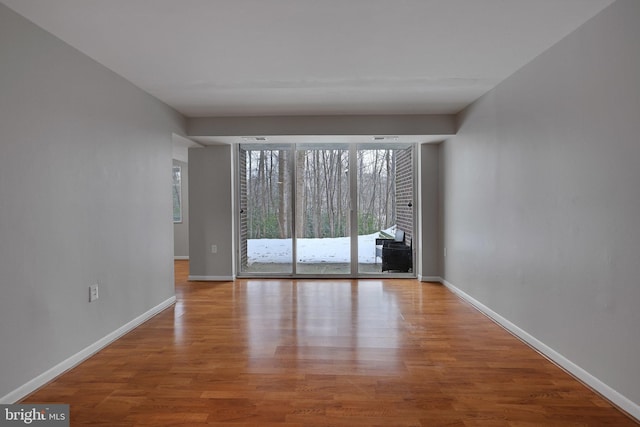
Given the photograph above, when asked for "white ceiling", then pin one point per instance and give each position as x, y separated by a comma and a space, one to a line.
320, 57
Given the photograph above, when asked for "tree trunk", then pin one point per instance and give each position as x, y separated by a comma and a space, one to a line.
301, 193
282, 207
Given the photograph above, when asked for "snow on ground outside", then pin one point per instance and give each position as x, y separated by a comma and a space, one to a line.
333, 250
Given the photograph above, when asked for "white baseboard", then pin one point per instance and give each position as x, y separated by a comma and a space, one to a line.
624, 403
82, 355
181, 257
211, 278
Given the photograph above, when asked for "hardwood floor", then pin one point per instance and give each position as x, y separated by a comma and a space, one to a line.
322, 353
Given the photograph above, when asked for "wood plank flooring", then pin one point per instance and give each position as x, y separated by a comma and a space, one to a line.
322, 353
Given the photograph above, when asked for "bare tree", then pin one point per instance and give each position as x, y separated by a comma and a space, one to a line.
282, 206
301, 193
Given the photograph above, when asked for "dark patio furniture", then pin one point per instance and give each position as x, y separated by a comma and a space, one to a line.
395, 253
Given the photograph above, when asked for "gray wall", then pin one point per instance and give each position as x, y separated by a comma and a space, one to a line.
210, 213
542, 199
429, 211
418, 124
85, 161
181, 230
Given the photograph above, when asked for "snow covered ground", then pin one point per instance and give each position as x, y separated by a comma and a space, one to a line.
333, 250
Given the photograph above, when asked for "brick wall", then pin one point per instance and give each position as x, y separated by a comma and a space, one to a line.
404, 192
243, 210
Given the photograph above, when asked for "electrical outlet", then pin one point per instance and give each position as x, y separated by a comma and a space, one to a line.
214, 249
93, 292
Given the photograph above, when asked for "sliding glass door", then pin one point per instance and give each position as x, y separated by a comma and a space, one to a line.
385, 176
266, 243
323, 201
325, 210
